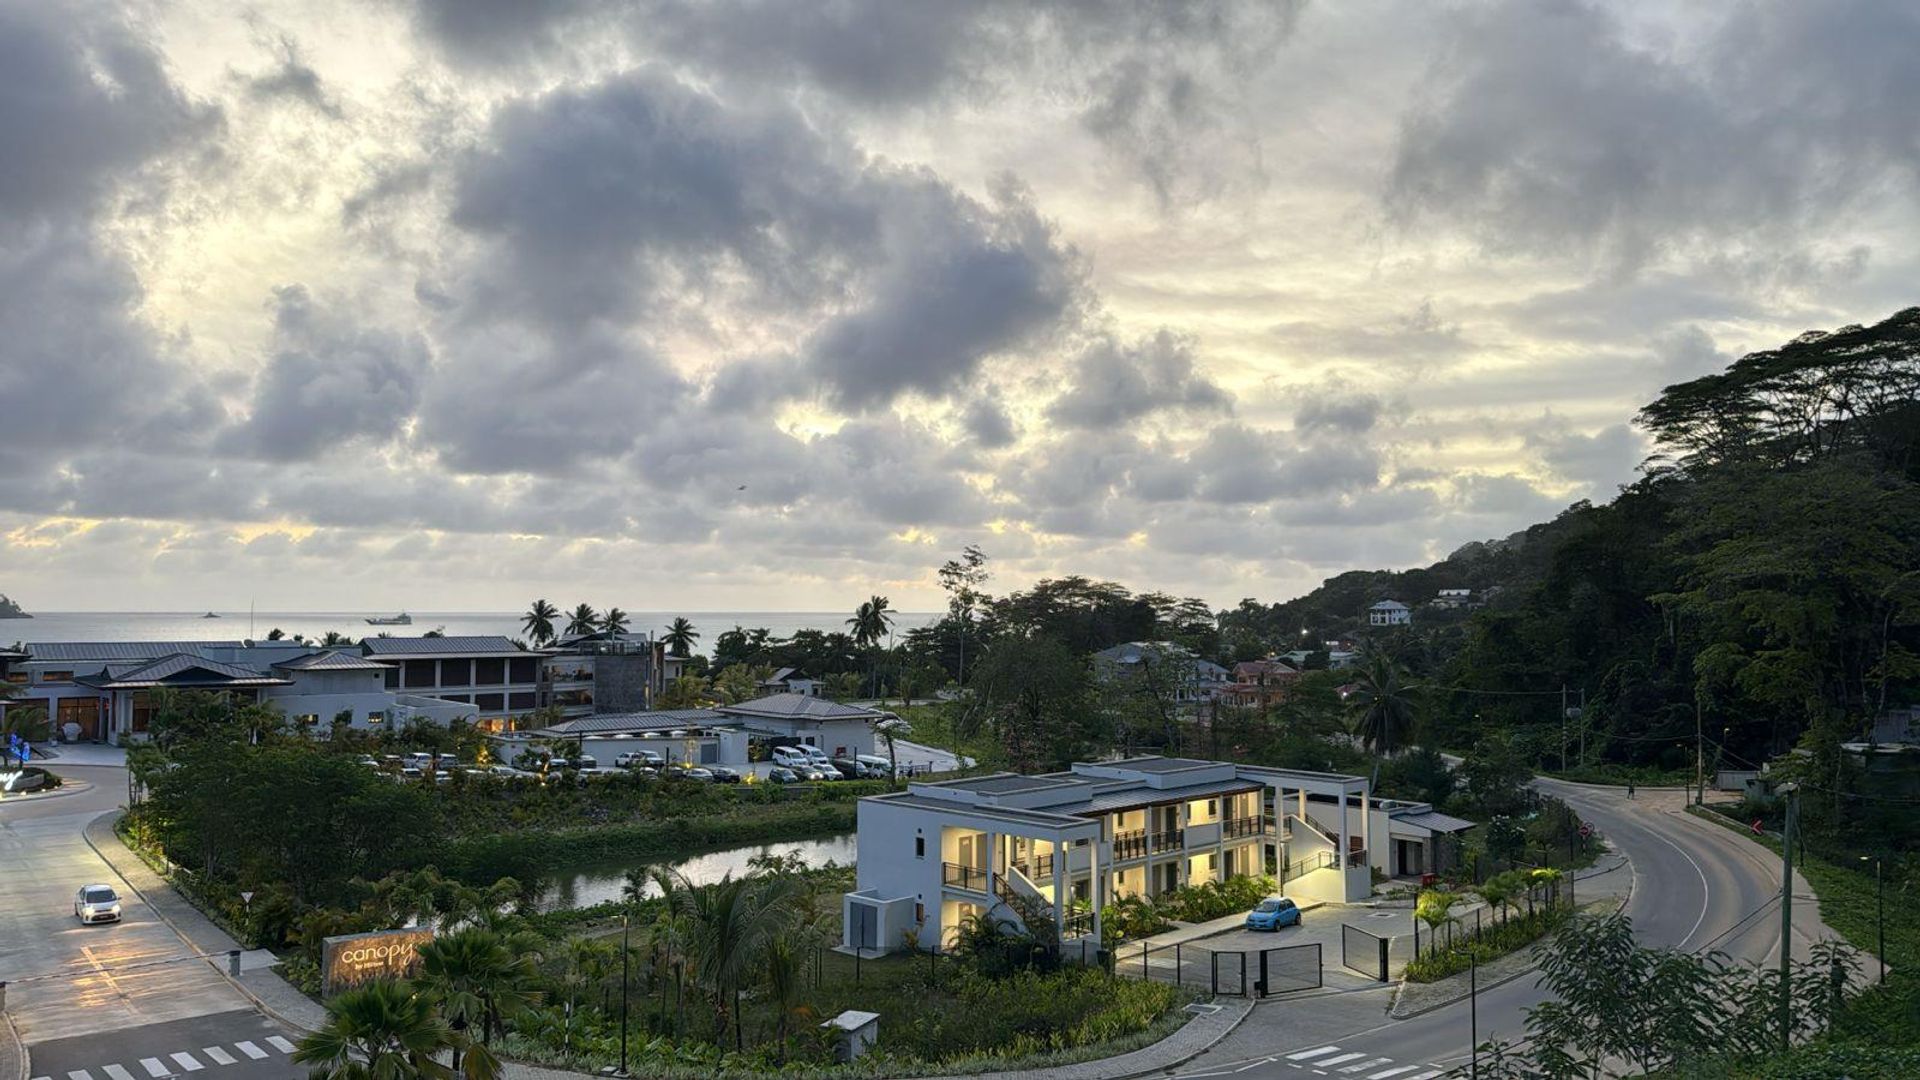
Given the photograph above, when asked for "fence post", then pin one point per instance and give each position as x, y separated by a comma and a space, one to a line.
1144, 950
233, 962
1383, 959
1260, 985
1179, 968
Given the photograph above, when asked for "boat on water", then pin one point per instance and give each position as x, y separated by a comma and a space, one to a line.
402, 619
209, 615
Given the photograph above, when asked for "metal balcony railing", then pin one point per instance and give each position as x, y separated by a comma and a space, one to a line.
1233, 828
1077, 924
1168, 841
971, 878
1130, 845
1039, 869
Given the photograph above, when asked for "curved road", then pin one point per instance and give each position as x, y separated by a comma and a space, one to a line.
1695, 886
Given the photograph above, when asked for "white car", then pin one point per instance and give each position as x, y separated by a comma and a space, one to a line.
819, 757
637, 758
877, 766
793, 757
96, 904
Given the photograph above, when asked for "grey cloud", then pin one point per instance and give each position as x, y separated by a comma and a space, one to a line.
1600, 460
497, 31
292, 79
330, 382
1116, 383
1239, 464
1504, 497
986, 420
1338, 408
1550, 130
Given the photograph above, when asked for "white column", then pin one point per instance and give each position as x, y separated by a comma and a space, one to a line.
1366, 823
1099, 888
1059, 891
993, 863
1341, 855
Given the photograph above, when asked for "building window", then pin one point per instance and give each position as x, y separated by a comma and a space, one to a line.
56, 676
307, 719
919, 847
456, 673
421, 672
376, 717
142, 710
490, 702
525, 669
491, 672
1213, 807
1213, 860
17, 677
521, 700
461, 699
393, 678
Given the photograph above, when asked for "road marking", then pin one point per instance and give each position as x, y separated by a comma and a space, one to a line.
1392, 1072
1706, 891
154, 1068
187, 1061
118, 1073
1363, 1066
280, 1044
219, 1056
1304, 1054
1341, 1058
1254, 1065
250, 1050
79, 1074
1428, 1075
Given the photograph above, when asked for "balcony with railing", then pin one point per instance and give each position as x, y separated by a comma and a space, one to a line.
1234, 828
1168, 841
1130, 845
1077, 924
957, 876
1038, 868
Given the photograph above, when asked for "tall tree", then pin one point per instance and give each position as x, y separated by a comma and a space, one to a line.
871, 621
583, 621
538, 622
680, 636
962, 579
730, 925
1382, 706
476, 980
614, 621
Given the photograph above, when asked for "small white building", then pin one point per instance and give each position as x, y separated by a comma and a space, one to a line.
1069, 843
679, 736
1452, 598
843, 731
1389, 613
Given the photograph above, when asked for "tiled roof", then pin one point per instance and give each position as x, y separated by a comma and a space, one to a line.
1141, 795
435, 646
332, 660
800, 707
659, 720
183, 669
61, 651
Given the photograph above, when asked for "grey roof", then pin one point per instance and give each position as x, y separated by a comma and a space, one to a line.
1043, 818
660, 720
1136, 795
59, 651
800, 707
435, 646
1009, 783
1434, 820
331, 660
168, 669
1153, 763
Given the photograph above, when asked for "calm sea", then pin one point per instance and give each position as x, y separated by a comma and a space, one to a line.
239, 625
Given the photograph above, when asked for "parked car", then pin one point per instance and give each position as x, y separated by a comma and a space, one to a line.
369, 761
793, 757
845, 770
705, 776
503, 770
634, 758
96, 904
724, 775
877, 766
817, 756
1273, 913
780, 774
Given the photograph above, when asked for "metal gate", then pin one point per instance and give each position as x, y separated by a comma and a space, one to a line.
1230, 973
1363, 952
1288, 968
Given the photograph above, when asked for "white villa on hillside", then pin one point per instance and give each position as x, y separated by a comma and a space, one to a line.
1389, 613
1071, 842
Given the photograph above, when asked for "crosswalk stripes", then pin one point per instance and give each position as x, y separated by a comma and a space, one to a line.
1312, 1053
185, 1062
1332, 1060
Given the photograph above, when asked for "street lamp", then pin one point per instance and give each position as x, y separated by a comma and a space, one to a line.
1880, 903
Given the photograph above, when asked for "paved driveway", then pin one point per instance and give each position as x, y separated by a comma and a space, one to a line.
65, 979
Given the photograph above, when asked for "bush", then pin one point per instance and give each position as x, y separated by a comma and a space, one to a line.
1491, 943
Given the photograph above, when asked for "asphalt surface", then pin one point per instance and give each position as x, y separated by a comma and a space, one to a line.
1695, 886
86, 997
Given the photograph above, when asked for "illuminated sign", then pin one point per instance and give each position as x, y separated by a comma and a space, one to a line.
352, 959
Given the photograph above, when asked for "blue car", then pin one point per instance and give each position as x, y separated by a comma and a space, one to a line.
1273, 913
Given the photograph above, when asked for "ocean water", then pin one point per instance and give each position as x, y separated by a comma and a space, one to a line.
240, 625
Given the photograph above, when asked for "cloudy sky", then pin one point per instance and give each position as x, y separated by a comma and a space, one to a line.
758, 305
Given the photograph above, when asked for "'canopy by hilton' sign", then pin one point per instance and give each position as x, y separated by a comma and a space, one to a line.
352, 959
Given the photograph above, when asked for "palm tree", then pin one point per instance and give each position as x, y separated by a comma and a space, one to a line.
583, 621
680, 636
538, 621
729, 925
1382, 706
1435, 908
614, 621
27, 721
871, 621
333, 638
476, 979
786, 987
386, 1030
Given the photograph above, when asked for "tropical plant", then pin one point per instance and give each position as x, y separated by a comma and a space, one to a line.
1382, 706
333, 638
538, 621
729, 925
615, 621
386, 1030
27, 721
786, 990
680, 636
872, 621
685, 692
583, 621
1434, 907
890, 729
476, 980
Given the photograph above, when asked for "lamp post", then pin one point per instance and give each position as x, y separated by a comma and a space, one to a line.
1473, 1010
1880, 905
625, 928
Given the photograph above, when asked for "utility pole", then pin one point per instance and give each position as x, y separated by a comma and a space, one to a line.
1699, 756
1563, 727
1792, 792
1473, 1009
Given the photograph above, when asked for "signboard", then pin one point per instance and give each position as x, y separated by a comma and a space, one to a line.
1586, 829
352, 959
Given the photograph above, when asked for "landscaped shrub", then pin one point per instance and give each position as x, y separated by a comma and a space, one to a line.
1215, 899
1492, 942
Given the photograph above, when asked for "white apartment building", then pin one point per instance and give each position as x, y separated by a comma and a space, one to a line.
1072, 842
1389, 613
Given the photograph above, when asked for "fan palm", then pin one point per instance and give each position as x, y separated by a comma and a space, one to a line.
680, 636
1382, 706
476, 980
729, 926
538, 621
386, 1030
583, 621
614, 621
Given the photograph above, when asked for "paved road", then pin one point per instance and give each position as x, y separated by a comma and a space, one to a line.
1695, 887
240, 1045
86, 996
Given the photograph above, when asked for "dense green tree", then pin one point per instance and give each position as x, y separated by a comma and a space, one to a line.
1382, 705
1035, 694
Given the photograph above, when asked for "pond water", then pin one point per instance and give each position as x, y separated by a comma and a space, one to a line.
590, 885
